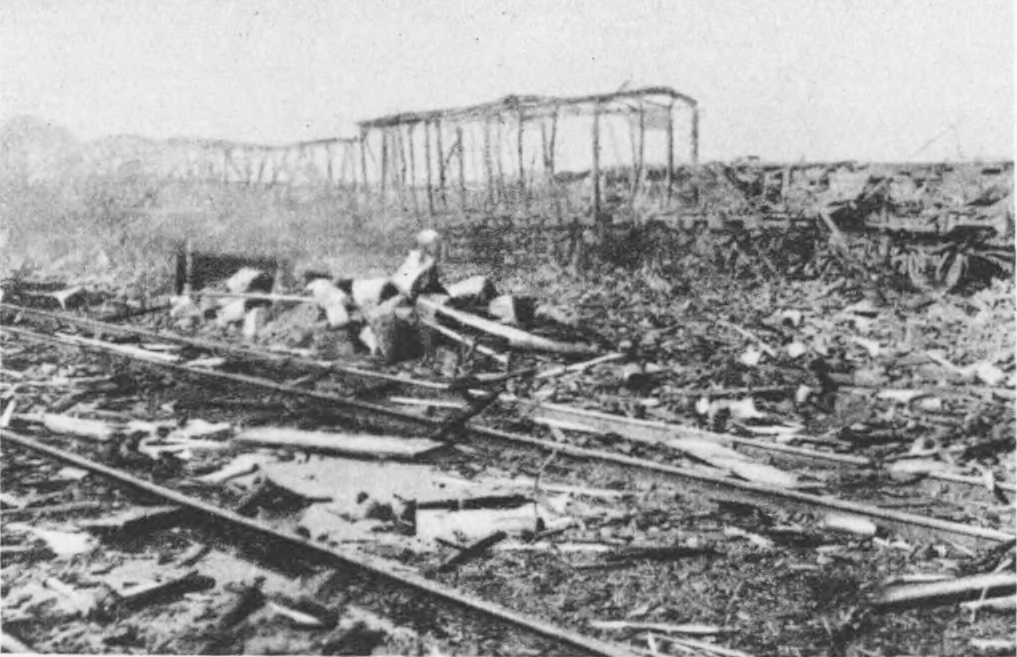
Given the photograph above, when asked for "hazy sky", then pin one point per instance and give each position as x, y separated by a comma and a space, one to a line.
816, 79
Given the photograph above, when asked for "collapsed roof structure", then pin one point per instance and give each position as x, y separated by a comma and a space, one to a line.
572, 153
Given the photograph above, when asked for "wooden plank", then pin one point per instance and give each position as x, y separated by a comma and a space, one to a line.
516, 338
338, 443
661, 433
938, 592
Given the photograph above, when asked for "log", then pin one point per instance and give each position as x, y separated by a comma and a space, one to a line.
947, 591
516, 338
335, 443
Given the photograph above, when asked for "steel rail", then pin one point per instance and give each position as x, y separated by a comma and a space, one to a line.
218, 347
716, 485
382, 568
623, 426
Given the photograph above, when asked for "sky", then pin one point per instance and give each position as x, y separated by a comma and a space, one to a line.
779, 79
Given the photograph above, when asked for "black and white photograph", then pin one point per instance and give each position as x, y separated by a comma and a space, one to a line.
671, 328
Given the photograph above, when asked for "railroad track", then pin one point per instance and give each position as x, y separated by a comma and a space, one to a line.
716, 486
558, 640
457, 425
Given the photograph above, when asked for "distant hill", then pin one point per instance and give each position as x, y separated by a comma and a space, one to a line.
35, 151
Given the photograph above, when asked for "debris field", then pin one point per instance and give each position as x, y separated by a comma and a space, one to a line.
698, 454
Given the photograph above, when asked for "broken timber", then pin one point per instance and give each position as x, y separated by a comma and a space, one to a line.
516, 338
718, 486
334, 443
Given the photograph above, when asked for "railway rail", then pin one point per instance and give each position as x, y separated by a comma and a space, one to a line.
452, 418
714, 485
390, 571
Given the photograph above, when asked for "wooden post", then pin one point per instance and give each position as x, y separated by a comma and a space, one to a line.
498, 162
384, 164
670, 151
276, 168
595, 171
363, 166
413, 169
488, 165
399, 145
427, 163
640, 154
188, 267
695, 135
553, 165
462, 168
522, 163
441, 162
261, 167
695, 151
328, 166
348, 170
548, 176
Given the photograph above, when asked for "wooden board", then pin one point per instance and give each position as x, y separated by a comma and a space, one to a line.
339, 443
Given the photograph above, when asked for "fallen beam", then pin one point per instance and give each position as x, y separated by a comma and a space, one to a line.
516, 338
951, 590
334, 443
